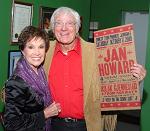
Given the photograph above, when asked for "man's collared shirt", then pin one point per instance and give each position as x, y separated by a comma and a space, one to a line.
66, 82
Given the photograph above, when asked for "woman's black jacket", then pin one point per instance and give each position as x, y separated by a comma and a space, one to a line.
23, 110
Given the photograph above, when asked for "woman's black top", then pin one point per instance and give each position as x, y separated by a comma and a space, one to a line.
23, 109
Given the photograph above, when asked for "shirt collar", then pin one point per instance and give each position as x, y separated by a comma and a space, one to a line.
77, 47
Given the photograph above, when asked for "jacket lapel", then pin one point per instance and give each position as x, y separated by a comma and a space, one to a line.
49, 56
86, 68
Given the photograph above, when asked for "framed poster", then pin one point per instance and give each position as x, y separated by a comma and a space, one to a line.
21, 17
13, 57
45, 15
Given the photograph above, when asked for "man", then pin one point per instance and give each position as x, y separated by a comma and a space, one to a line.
72, 71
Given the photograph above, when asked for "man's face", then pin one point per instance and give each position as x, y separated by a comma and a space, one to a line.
65, 28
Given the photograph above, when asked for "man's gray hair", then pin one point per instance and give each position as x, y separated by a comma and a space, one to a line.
66, 10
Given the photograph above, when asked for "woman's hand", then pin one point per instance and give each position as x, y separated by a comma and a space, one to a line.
138, 71
52, 110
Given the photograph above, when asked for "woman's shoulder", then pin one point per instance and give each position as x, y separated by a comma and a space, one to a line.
15, 81
15, 87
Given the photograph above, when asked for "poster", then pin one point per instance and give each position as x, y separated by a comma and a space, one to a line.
21, 17
116, 54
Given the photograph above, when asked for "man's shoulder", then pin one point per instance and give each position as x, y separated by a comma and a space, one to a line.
52, 42
87, 45
84, 42
52, 45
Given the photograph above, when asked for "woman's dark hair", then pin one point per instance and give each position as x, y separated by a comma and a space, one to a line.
28, 33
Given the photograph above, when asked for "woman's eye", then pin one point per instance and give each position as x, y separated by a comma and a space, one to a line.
30, 47
42, 47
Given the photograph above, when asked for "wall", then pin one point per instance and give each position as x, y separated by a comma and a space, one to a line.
5, 26
5, 13
145, 117
107, 12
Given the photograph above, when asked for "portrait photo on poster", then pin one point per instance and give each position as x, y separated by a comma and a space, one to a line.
45, 16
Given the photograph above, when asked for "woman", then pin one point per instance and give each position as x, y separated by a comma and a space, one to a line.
28, 102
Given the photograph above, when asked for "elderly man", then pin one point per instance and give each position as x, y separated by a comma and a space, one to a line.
72, 72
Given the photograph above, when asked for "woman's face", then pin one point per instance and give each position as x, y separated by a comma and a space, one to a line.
34, 52
65, 28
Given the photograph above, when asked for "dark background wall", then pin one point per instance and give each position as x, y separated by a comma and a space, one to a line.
106, 12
